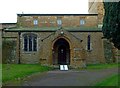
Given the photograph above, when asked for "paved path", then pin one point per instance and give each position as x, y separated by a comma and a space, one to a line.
69, 78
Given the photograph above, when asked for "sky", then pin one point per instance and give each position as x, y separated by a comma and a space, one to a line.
10, 8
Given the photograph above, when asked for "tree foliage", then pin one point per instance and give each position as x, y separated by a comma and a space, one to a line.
111, 22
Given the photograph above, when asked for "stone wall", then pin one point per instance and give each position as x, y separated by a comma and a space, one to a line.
116, 53
8, 25
118, 56
93, 8
112, 54
44, 53
9, 50
96, 54
76, 40
10, 47
108, 51
101, 12
97, 7
51, 21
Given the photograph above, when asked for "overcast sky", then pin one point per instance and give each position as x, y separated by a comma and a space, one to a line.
10, 8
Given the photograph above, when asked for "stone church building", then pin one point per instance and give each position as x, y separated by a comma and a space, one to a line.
57, 38
54, 39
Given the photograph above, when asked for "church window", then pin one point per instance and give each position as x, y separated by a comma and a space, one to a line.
82, 21
30, 42
25, 43
89, 44
59, 22
35, 43
35, 22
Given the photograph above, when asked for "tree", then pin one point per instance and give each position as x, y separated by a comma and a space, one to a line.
111, 22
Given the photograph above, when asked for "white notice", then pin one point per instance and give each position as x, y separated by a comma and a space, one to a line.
63, 67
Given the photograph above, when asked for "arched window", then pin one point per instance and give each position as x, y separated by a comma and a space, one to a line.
30, 42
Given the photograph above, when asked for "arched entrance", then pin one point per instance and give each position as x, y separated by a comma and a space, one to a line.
61, 52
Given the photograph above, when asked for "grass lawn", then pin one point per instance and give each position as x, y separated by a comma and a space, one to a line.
11, 72
0, 66
101, 66
110, 81
0, 71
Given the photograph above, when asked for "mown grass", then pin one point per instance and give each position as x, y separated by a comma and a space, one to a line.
18, 71
102, 66
0, 66
110, 81
0, 69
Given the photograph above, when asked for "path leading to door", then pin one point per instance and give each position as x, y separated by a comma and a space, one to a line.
70, 78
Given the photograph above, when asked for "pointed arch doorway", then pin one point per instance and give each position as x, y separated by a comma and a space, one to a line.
61, 52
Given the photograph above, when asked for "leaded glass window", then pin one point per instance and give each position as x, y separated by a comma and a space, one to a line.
30, 42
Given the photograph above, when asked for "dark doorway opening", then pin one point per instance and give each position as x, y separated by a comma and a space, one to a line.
62, 55
61, 52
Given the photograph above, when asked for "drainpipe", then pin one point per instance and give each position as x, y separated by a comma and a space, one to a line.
19, 33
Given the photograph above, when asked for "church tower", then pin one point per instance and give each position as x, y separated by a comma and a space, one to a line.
97, 7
